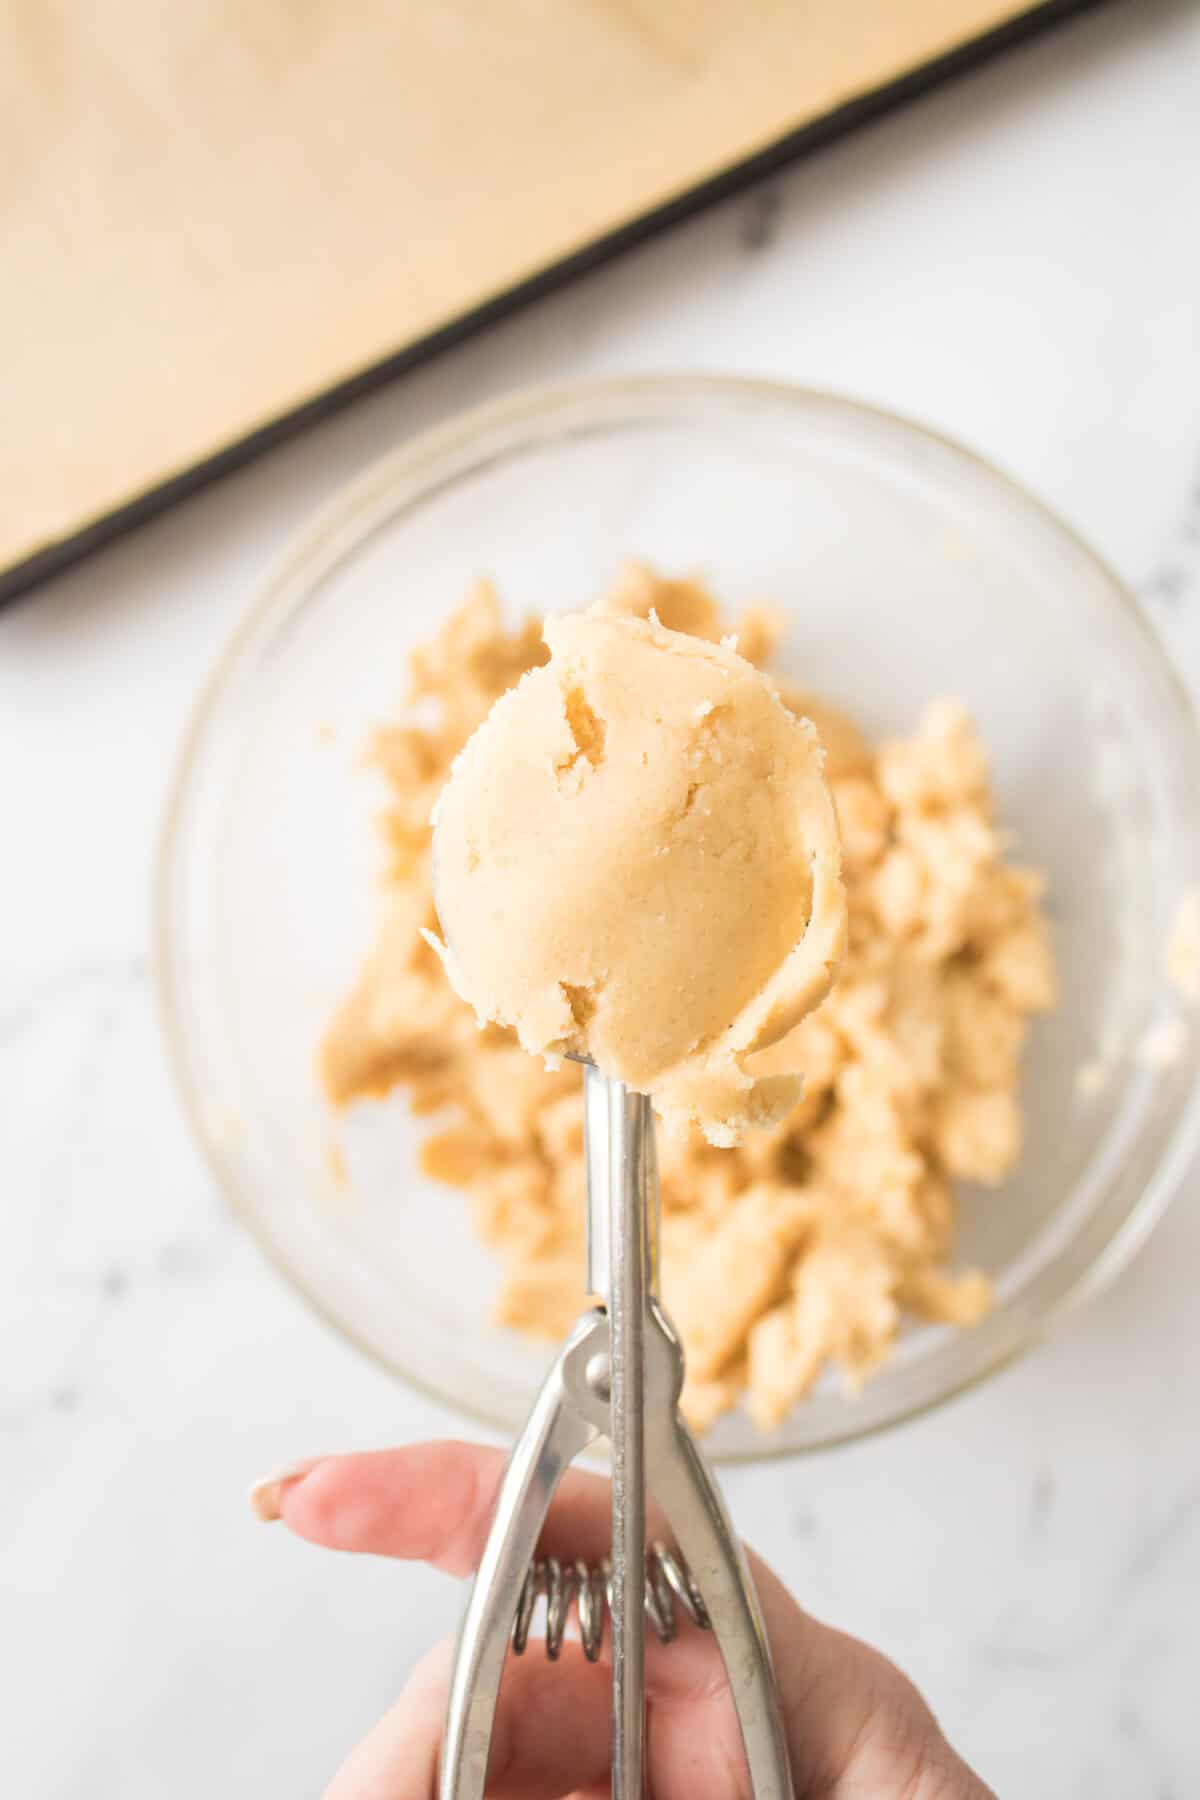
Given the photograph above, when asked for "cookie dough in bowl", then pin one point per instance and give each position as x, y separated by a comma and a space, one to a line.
808, 1205
434, 1216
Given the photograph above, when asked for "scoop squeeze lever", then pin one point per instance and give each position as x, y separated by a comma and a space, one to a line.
618, 1376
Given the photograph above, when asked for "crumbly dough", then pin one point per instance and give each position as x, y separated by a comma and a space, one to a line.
807, 1244
636, 860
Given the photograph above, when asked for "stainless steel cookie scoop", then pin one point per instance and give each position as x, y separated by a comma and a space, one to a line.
619, 1375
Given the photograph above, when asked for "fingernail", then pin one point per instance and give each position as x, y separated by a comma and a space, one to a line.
265, 1496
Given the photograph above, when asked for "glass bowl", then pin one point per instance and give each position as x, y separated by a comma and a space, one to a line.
909, 569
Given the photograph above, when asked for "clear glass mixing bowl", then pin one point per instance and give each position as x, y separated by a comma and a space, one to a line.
910, 569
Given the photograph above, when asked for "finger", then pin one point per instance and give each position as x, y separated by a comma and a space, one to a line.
434, 1503
551, 1734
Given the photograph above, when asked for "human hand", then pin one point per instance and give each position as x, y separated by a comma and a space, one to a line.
857, 1729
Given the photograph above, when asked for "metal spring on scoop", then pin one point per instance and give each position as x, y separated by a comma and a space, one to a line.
667, 1580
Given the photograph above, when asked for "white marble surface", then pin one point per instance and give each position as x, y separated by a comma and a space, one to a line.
1015, 260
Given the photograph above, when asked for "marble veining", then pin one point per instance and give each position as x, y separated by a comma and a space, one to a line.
1005, 260
1175, 573
761, 218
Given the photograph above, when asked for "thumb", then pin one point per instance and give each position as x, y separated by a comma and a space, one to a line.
857, 1727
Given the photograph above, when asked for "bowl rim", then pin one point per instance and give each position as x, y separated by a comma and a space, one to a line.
339, 517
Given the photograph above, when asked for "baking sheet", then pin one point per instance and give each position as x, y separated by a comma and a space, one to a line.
218, 217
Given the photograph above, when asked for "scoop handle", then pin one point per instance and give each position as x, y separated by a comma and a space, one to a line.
627, 1125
